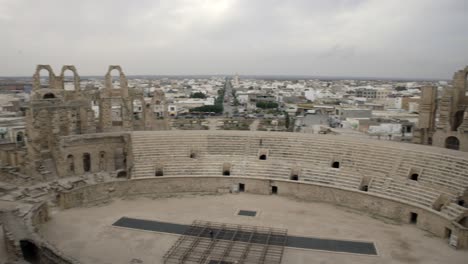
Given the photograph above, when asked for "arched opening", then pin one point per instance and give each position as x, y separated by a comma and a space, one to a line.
69, 80
429, 141
86, 162
115, 78
458, 119
44, 78
20, 137
49, 96
158, 172
294, 177
102, 161
122, 174
262, 157
193, 155
365, 188
274, 189
452, 143
461, 202
30, 251
71, 164
119, 157
414, 176
336, 165
226, 169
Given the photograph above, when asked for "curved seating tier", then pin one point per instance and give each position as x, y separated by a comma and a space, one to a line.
389, 165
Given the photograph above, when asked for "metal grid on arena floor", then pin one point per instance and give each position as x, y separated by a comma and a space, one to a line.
217, 243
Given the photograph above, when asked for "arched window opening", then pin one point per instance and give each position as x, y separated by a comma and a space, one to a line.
20, 137
458, 119
44, 78
49, 96
452, 143
294, 177
86, 162
414, 176
102, 161
226, 169
69, 80
336, 165
262, 157
159, 172
30, 251
115, 78
71, 164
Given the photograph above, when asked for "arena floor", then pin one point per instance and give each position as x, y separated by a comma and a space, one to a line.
87, 234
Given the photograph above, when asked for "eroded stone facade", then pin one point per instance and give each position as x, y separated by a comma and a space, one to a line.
451, 129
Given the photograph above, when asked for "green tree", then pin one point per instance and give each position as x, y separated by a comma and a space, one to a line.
198, 95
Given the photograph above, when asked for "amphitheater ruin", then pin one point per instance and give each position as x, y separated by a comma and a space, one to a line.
86, 187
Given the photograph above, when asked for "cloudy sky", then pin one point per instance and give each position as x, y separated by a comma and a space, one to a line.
369, 38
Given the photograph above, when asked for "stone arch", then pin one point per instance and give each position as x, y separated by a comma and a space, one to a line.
122, 78
86, 162
102, 161
71, 164
37, 77
76, 77
49, 96
452, 143
30, 251
20, 137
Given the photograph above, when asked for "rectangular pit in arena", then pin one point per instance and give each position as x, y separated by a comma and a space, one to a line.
210, 242
298, 242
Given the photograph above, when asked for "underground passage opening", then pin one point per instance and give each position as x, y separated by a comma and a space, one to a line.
158, 172
365, 188
226, 173
461, 202
274, 189
30, 251
48, 96
413, 218
86, 162
414, 176
241, 187
122, 174
452, 143
262, 157
336, 165
294, 177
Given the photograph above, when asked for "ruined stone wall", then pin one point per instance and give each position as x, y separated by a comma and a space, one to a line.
373, 204
101, 149
453, 114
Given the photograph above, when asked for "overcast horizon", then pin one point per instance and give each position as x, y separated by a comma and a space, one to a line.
413, 39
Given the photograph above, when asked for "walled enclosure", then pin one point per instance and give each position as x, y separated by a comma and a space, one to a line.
65, 139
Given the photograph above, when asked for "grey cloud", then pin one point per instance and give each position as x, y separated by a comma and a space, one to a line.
418, 38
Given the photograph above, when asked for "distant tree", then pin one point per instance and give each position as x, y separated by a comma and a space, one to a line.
198, 95
286, 120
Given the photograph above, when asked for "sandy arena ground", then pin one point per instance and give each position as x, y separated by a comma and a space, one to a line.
87, 235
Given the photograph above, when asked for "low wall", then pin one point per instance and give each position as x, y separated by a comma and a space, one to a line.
429, 220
